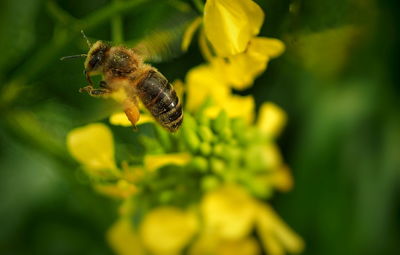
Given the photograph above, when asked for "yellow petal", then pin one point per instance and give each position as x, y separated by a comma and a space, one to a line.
179, 88
122, 189
271, 119
241, 106
206, 243
153, 162
189, 32
202, 82
266, 47
235, 106
241, 70
271, 157
120, 119
275, 235
246, 246
93, 147
167, 230
282, 179
228, 211
123, 239
230, 24
279, 178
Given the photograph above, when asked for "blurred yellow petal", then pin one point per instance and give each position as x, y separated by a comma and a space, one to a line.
122, 189
120, 119
228, 211
246, 246
202, 82
271, 119
264, 46
271, 157
241, 106
93, 147
282, 179
179, 88
189, 32
275, 235
153, 162
240, 70
206, 243
123, 239
230, 24
132, 174
235, 106
167, 230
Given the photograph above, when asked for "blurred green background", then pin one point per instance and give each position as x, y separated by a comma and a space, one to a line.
338, 82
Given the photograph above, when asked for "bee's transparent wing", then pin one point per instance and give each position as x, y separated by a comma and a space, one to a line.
165, 42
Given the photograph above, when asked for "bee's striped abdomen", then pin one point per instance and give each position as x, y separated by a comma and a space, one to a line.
161, 100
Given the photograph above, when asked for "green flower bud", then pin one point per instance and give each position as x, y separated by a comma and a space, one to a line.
205, 149
218, 166
218, 150
163, 138
205, 133
165, 196
151, 144
238, 127
220, 123
209, 183
191, 139
226, 134
199, 163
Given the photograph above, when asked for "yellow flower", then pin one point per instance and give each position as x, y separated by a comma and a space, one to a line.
282, 179
122, 189
167, 230
123, 239
153, 162
93, 147
271, 119
245, 246
202, 82
230, 24
235, 106
271, 157
229, 212
240, 70
212, 245
120, 119
275, 235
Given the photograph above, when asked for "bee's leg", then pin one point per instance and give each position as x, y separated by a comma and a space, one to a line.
103, 84
95, 92
132, 113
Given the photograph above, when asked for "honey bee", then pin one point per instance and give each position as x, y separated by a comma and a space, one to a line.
124, 71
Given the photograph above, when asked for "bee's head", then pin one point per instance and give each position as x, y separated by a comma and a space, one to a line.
96, 56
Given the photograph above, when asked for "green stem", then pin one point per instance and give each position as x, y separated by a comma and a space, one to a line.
117, 28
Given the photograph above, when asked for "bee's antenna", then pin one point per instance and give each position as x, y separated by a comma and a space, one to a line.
87, 40
74, 56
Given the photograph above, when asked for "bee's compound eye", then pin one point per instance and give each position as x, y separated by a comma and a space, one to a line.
95, 61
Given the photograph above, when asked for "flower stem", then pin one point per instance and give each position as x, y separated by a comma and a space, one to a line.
117, 27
